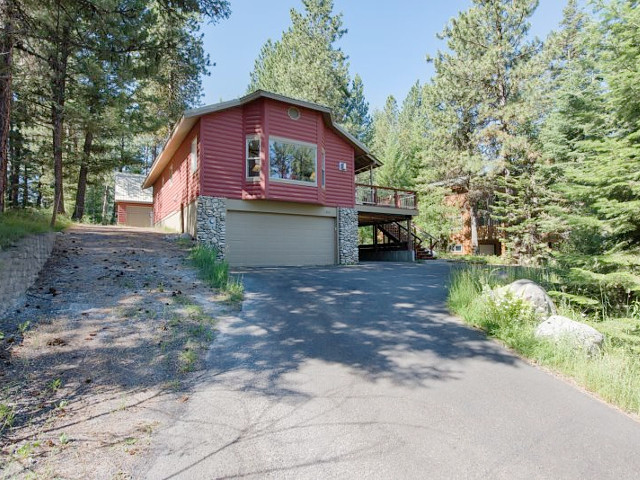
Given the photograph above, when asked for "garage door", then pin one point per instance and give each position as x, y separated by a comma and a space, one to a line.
138, 216
270, 239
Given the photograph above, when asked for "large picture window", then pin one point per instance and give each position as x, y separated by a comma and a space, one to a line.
292, 161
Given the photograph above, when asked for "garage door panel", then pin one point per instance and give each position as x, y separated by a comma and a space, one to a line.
138, 216
266, 239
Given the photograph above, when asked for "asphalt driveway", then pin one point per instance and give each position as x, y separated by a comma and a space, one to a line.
360, 372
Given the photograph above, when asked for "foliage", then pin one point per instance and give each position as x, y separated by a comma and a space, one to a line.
614, 374
104, 80
306, 64
216, 272
16, 224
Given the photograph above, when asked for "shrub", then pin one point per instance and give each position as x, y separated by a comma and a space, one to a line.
216, 272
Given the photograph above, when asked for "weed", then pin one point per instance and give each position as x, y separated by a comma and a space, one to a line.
25, 450
216, 272
7, 416
188, 359
184, 242
23, 327
55, 385
161, 287
63, 438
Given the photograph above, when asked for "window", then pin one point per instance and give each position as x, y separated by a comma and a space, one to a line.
292, 161
253, 157
194, 154
171, 175
322, 168
294, 113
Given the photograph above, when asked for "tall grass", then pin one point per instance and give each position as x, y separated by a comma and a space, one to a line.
216, 272
614, 373
16, 224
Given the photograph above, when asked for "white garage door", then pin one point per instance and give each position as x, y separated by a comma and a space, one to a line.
138, 216
270, 239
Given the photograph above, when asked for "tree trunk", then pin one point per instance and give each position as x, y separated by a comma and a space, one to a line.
25, 186
6, 58
39, 189
78, 211
58, 93
105, 204
14, 178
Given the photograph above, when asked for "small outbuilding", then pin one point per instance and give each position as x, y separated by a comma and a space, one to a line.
134, 205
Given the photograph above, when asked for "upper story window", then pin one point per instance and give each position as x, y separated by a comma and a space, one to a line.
193, 156
253, 156
171, 175
294, 113
292, 161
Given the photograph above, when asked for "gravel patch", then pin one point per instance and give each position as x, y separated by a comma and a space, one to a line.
101, 352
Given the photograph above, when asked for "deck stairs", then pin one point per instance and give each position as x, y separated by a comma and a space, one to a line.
397, 235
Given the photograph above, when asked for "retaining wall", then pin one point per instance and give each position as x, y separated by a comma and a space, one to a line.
20, 266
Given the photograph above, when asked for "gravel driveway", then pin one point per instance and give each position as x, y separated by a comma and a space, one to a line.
99, 354
360, 372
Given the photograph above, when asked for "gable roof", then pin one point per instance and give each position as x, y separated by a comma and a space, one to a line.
364, 159
129, 188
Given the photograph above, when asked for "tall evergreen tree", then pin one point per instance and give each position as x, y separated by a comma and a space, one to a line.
357, 120
305, 63
486, 113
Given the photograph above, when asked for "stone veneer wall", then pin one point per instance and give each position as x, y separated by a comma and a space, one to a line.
20, 266
211, 220
347, 236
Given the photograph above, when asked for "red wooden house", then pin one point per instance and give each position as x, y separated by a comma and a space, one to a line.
270, 180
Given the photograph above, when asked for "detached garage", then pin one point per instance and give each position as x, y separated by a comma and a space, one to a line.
279, 234
134, 206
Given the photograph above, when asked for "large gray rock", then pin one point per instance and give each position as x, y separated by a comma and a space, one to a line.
559, 329
533, 293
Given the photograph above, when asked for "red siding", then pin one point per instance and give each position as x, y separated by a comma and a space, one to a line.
121, 210
223, 148
340, 185
177, 186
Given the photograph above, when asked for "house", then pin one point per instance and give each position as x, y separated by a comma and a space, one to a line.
270, 180
476, 231
134, 206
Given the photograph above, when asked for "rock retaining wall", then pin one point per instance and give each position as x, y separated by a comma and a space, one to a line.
20, 266
211, 221
347, 236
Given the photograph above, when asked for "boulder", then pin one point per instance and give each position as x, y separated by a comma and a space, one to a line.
559, 328
533, 293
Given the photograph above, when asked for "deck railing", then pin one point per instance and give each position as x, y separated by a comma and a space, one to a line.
385, 196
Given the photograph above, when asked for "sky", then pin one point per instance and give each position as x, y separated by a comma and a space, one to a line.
387, 45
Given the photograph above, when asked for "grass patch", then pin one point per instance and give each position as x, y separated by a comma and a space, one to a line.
614, 374
216, 272
16, 224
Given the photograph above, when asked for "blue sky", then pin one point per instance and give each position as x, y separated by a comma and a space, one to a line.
386, 45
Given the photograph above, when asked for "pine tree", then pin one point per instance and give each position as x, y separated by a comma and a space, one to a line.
385, 144
306, 64
357, 120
